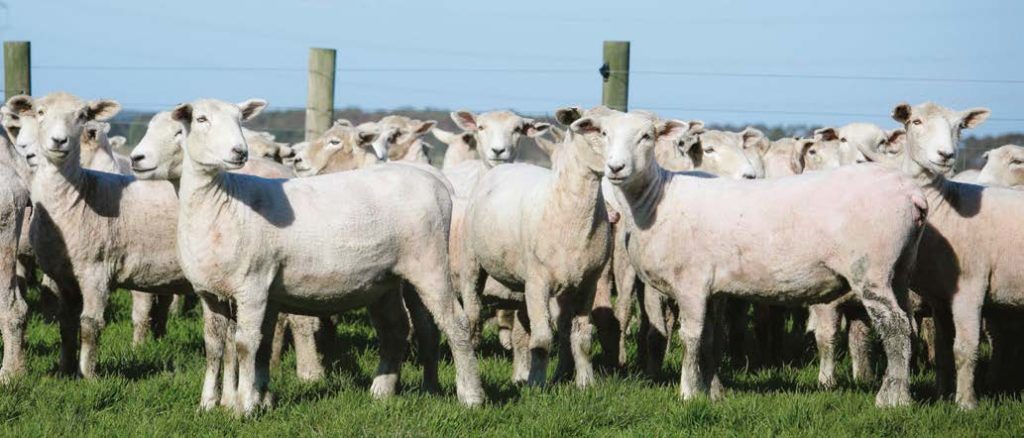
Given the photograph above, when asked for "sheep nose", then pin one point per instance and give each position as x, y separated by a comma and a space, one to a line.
749, 175
616, 168
136, 158
239, 151
946, 155
59, 141
498, 151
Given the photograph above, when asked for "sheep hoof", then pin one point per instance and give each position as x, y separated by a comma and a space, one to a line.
827, 383
967, 404
383, 386
471, 399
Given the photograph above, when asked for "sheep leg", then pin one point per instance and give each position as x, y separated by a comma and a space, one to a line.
505, 321
142, 306
657, 332
694, 332
435, 290
563, 318
161, 309
520, 346
473, 282
215, 322
997, 374
714, 348
944, 365
280, 337
627, 286
13, 318
826, 325
859, 345
967, 324
581, 333
927, 334
428, 340
893, 326
392, 325
250, 320
608, 331
229, 387
69, 307
94, 303
307, 359
537, 296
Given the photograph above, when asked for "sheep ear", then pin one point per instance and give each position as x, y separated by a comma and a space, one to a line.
19, 104
696, 127
896, 136
566, 116
585, 125
366, 136
445, 136
251, 108
826, 134
117, 141
90, 131
423, 128
102, 110
676, 134
465, 120
534, 129
901, 113
798, 160
182, 113
985, 155
752, 138
973, 117
342, 122
671, 128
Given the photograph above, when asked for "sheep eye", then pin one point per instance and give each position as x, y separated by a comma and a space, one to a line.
180, 132
812, 152
482, 127
843, 139
201, 119
335, 141
645, 137
604, 134
709, 150
40, 112
917, 122
14, 117
1016, 162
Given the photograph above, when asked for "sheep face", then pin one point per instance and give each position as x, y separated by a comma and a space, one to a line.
1004, 166
396, 134
213, 133
19, 121
11, 122
463, 142
261, 144
342, 147
160, 153
93, 139
933, 133
498, 133
627, 141
729, 154
812, 154
60, 119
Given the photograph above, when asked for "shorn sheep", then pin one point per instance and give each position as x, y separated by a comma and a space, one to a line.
380, 225
544, 232
722, 224
14, 193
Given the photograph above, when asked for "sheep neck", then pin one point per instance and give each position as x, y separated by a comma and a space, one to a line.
12, 160
643, 193
936, 187
573, 178
64, 181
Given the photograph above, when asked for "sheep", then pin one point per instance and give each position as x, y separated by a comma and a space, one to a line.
402, 137
87, 225
379, 224
719, 153
159, 156
461, 146
13, 308
561, 263
341, 148
725, 221
498, 135
1004, 166
262, 144
869, 140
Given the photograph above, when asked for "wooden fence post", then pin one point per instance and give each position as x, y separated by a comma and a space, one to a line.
615, 71
17, 73
320, 100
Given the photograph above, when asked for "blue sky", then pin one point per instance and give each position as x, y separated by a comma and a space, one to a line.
534, 56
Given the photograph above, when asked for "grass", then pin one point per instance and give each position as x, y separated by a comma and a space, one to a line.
154, 391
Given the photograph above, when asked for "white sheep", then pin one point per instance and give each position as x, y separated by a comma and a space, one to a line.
14, 191
377, 225
88, 226
1004, 167
723, 224
461, 146
508, 236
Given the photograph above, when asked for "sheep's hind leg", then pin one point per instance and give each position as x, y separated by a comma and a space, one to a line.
893, 327
428, 338
308, 366
694, 331
826, 326
13, 318
251, 318
967, 305
142, 307
392, 325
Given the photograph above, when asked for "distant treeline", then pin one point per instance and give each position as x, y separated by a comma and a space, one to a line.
288, 126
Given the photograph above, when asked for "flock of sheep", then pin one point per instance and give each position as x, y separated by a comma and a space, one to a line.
687, 221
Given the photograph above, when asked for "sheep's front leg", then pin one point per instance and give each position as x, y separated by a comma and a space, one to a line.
627, 287
859, 344
215, 325
967, 305
281, 329
538, 295
505, 319
69, 309
428, 338
694, 332
250, 320
826, 326
520, 346
94, 303
657, 335
580, 333
389, 320
608, 333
